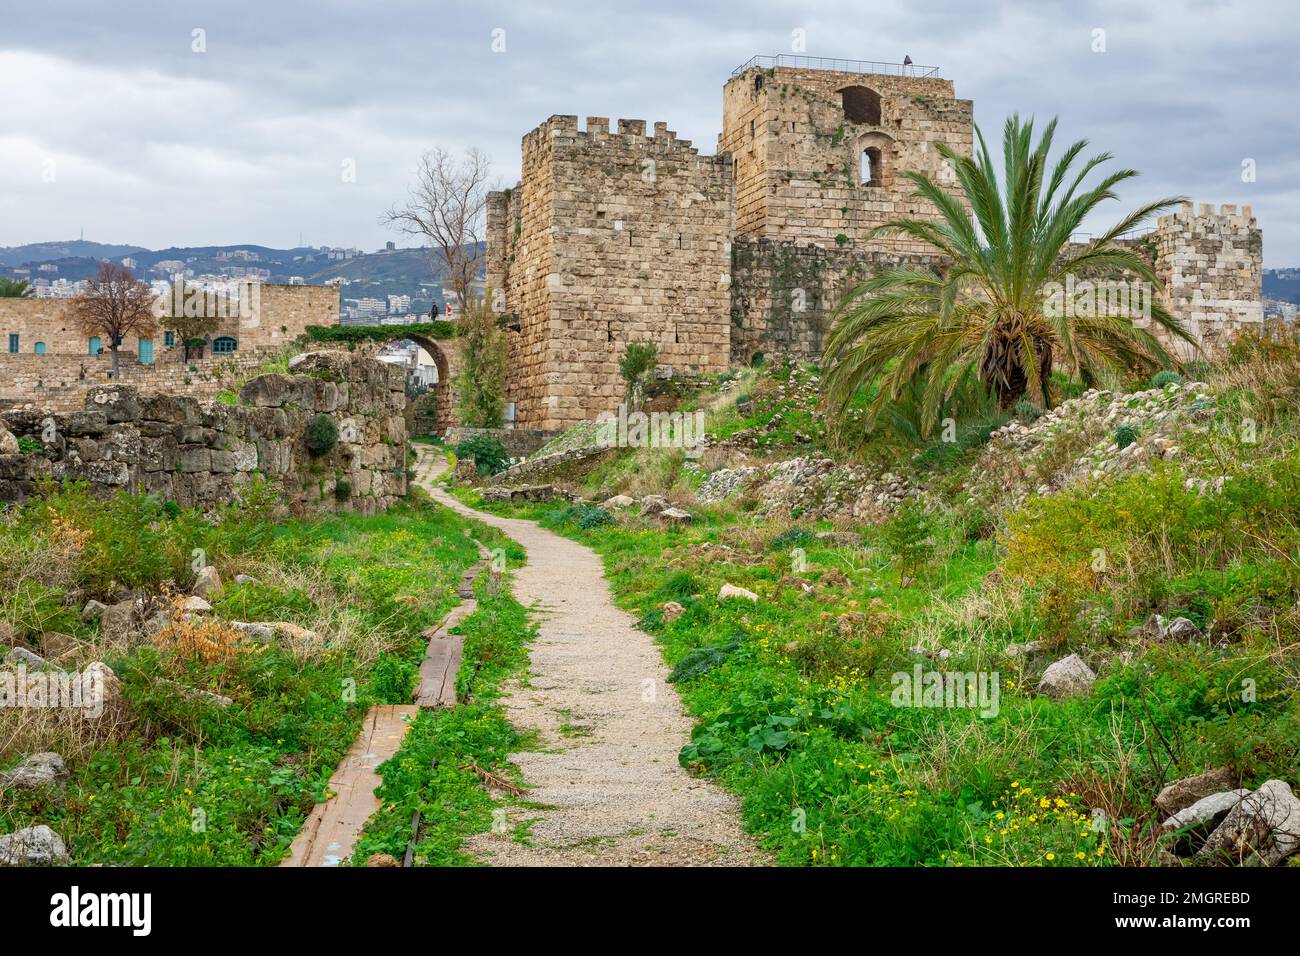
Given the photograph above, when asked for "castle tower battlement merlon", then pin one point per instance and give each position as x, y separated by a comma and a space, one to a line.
564, 130
1228, 215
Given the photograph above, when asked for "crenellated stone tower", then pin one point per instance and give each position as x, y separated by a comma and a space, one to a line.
610, 237
1210, 263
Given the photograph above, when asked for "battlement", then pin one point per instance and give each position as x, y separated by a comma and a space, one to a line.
1208, 215
564, 130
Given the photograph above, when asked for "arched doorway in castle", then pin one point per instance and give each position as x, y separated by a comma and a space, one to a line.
430, 367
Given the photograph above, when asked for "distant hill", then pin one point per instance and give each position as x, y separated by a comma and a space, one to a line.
414, 272
1276, 287
38, 252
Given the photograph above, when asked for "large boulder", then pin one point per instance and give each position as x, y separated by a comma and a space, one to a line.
43, 771
93, 611
1068, 677
672, 611
675, 516
32, 846
118, 621
28, 659
119, 403
99, 685
8, 443
1263, 829
652, 505
1183, 793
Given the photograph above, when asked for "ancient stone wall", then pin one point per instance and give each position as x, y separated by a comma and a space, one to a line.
784, 293
798, 138
1210, 261
60, 382
610, 237
54, 365
200, 453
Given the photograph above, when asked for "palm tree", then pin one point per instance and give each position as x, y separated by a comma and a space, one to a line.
986, 319
14, 288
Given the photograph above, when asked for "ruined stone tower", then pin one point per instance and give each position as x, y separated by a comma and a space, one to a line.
610, 237
1210, 264
819, 148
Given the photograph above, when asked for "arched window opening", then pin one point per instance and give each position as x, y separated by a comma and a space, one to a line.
873, 168
224, 345
861, 105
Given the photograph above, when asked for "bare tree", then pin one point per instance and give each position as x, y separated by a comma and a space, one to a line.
116, 304
446, 206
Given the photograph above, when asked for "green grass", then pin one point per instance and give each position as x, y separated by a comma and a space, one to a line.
190, 785
797, 718
433, 771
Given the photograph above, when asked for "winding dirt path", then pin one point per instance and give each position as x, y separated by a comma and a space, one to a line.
609, 725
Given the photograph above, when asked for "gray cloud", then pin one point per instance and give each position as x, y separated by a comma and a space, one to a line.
149, 142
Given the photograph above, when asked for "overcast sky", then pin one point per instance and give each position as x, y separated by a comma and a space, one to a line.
112, 122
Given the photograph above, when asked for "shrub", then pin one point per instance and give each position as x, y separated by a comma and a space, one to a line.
490, 455
227, 397
481, 381
910, 537
342, 489
702, 660
1161, 379
1027, 410
792, 538
679, 586
1125, 435
636, 365
322, 435
584, 516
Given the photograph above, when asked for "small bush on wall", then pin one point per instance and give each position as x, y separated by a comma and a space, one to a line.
322, 435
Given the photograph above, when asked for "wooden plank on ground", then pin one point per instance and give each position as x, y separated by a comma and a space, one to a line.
331, 831
437, 687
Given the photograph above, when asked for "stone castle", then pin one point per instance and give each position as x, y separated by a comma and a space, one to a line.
613, 235
616, 235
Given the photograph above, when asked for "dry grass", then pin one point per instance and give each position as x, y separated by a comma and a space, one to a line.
333, 627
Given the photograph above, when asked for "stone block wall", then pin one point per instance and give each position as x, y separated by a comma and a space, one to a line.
611, 237
784, 293
200, 453
797, 137
1210, 261
60, 382
275, 317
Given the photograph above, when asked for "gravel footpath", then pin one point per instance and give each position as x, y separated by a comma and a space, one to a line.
607, 778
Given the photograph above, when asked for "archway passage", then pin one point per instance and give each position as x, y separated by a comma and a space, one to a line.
430, 371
